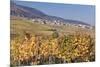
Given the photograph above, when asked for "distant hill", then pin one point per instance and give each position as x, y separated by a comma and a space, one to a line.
32, 13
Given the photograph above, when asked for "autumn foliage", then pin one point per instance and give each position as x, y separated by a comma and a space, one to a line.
52, 50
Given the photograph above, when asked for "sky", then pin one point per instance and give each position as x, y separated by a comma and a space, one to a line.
84, 13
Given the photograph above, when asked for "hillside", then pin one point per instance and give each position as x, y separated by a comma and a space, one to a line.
36, 44
19, 25
32, 13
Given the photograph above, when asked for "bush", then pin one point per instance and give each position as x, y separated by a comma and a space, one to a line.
55, 34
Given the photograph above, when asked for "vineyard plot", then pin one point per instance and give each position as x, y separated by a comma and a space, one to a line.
39, 38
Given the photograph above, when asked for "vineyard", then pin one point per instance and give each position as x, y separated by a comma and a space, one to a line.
44, 33
52, 49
